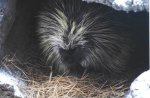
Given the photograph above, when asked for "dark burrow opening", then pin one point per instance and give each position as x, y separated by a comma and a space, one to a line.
23, 43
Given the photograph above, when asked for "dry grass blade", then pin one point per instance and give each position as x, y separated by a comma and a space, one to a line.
73, 87
86, 86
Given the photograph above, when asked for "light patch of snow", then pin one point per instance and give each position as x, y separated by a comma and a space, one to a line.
122, 4
137, 5
12, 81
137, 2
140, 88
125, 5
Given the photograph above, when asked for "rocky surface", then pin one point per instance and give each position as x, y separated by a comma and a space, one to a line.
7, 91
140, 88
125, 5
7, 18
10, 85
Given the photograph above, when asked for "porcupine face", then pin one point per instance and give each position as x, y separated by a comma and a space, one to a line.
75, 35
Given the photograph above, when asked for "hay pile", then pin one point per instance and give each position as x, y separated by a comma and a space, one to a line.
73, 87
88, 86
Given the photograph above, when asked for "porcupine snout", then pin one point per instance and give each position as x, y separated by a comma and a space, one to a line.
72, 53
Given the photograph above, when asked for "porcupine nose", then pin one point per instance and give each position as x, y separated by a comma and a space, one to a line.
68, 55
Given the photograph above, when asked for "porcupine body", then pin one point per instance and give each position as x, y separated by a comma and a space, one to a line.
76, 36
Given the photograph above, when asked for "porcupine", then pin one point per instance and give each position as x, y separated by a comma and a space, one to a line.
77, 36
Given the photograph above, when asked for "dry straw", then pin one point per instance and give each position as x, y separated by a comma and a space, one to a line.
73, 87
87, 86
